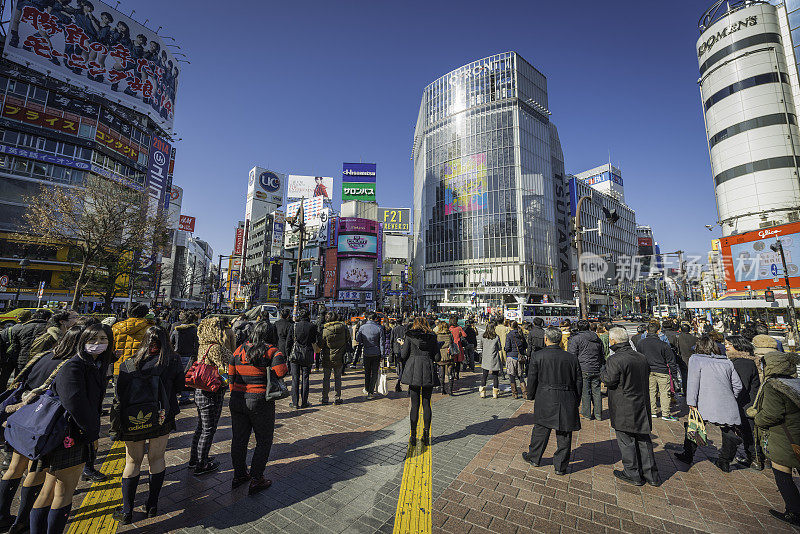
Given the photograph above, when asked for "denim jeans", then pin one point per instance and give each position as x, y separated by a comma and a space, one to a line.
591, 394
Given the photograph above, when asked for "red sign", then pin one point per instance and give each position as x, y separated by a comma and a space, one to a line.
117, 145
645, 241
329, 284
239, 243
39, 118
748, 260
186, 223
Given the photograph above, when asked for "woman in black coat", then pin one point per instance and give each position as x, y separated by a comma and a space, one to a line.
154, 359
420, 374
80, 386
742, 353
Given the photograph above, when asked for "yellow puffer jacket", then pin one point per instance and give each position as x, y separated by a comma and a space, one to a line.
128, 335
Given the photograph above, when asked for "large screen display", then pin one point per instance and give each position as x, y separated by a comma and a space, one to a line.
356, 273
465, 184
358, 244
90, 44
749, 260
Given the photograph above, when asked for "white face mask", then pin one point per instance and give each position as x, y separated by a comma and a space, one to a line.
95, 348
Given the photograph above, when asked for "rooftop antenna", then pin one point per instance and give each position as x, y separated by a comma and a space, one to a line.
132, 12
145, 22
159, 28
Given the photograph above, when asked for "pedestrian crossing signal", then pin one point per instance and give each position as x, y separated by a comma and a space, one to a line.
769, 295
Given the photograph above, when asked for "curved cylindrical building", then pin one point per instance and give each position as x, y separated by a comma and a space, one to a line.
490, 205
750, 116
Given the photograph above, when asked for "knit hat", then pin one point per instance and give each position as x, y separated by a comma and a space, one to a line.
762, 341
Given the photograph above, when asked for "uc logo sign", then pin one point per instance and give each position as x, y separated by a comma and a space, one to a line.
269, 181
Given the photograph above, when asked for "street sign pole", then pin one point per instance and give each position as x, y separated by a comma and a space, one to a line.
792, 311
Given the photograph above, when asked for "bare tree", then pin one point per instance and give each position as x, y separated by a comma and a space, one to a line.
103, 223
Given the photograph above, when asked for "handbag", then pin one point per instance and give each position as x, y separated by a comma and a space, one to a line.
382, 388
293, 356
276, 388
204, 376
696, 428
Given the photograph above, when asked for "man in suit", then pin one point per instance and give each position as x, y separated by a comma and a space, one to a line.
627, 376
555, 382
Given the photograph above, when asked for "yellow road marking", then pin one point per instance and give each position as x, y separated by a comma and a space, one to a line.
414, 502
94, 514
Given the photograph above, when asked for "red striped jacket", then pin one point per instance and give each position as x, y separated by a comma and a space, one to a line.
250, 379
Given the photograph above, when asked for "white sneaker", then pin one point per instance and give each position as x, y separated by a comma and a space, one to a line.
364, 391
654, 416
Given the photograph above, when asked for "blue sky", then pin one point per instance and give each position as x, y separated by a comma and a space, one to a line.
302, 86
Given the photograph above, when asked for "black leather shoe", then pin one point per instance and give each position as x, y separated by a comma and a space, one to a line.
94, 475
122, 517
786, 517
527, 458
683, 457
725, 467
625, 478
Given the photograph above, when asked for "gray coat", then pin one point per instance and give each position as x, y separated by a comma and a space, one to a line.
713, 385
490, 354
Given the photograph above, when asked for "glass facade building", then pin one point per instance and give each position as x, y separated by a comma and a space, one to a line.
489, 193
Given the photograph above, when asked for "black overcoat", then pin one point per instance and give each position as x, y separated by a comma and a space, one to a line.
555, 383
418, 353
627, 377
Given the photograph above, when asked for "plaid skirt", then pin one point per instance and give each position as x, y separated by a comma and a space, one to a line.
62, 458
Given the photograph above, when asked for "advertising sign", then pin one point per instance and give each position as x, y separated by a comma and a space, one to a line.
329, 280
344, 295
358, 244
645, 242
239, 243
157, 169
748, 260
265, 186
356, 225
186, 223
45, 120
356, 273
313, 209
309, 187
465, 184
278, 229
358, 181
91, 44
395, 219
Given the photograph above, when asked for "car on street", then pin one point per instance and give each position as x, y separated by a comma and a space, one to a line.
9, 318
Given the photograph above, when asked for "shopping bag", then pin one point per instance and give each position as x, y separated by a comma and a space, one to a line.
382, 387
696, 428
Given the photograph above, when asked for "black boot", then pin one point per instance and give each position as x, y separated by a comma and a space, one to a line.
156, 481
27, 496
125, 514
8, 488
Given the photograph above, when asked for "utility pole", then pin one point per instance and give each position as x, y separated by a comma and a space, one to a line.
298, 223
579, 248
778, 247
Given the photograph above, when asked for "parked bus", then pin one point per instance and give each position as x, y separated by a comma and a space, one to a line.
662, 311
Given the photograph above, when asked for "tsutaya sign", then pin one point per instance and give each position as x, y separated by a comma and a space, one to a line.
724, 32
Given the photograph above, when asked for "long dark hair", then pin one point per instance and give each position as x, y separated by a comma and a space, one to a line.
490, 332
88, 333
260, 341
67, 346
159, 335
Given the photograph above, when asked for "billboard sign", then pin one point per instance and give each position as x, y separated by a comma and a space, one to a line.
157, 169
265, 186
329, 280
186, 223
465, 184
309, 187
748, 260
358, 181
356, 225
95, 46
395, 219
239, 242
313, 210
356, 273
346, 295
358, 244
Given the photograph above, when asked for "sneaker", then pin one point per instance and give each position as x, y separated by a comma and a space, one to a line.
654, 416
364, 391
337, 402
149, 512
203, 469
94, 475
668, 418
122, 517
258, 484
786, 517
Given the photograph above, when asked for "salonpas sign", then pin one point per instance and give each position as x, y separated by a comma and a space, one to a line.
714, 38
358, 181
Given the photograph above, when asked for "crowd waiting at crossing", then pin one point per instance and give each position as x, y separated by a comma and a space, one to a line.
59, 366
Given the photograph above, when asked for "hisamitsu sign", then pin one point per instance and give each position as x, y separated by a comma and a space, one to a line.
395, 219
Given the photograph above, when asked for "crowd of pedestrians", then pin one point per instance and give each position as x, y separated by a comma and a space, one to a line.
62, 363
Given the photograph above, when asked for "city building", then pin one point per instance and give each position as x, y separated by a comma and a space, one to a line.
262, 261
606, 179
749, 91
63, 118
489, 196
617, 243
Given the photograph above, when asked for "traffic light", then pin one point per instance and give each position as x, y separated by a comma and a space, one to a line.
769, 295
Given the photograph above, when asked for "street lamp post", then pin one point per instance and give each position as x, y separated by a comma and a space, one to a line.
23, 263
299, 225
778, 247
611, 217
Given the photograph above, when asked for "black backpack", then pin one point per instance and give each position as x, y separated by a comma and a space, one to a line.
143, 405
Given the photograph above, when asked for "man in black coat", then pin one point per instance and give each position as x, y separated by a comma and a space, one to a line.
396, 342
627, 376
662, 365
588, 347
23, 336
555, 382
305, 336
285, 332
686, 342
535, 337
